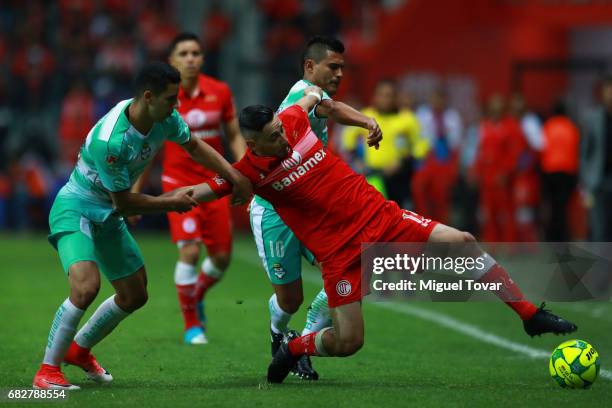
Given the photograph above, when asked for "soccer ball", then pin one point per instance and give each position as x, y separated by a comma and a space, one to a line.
574, 364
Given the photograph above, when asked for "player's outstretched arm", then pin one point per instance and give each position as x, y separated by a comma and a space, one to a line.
204, 154
346, 115
127, 203
202, 193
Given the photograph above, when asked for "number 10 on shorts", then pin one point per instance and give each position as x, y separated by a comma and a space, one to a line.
277, 249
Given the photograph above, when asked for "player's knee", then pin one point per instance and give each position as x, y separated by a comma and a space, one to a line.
467, 237
132, 301
221, 261
349, 345
84, 295
190, 253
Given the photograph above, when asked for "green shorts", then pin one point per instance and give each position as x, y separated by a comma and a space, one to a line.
109, 244
278, 247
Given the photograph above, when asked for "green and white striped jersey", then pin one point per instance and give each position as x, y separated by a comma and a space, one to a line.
114, 155
318, 125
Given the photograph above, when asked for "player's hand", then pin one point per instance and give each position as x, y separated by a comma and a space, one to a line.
134, 219
242, 191
183, 201
315, 89
375, 134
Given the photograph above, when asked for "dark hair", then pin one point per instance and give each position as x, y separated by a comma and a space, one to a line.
255, 117
184, 36
155, 77
317, 47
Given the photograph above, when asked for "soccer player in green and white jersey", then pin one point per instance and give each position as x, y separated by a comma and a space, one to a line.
278, 248
87, 227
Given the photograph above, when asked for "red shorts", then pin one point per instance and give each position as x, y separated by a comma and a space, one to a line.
342, 274
210, 223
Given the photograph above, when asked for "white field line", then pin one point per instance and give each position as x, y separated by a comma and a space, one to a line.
592, 309
438, 318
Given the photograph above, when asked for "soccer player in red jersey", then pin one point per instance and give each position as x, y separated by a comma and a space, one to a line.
332, 210
206, 105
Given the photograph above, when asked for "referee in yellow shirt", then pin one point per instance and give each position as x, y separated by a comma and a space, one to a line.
389, 168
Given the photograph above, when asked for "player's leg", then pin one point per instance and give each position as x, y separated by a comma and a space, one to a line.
536, 320
216, 235
76, 251
185, 232
318, 315
185, 281
280, 253
121, 262
342, 282
284, 302
344, 338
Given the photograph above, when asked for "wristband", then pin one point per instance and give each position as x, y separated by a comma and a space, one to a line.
316, 95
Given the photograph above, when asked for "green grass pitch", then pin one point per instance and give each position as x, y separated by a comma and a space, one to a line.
408, 360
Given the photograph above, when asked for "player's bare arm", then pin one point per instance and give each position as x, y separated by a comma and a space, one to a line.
204, 154
127, 203
202, 193
346, 115
236, 143
137, 188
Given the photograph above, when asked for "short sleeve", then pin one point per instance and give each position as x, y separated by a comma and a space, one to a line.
111, 166
177, 130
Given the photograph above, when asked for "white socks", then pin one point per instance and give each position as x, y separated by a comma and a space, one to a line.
209, 268
319, 342
62, 332
317, 316
185, 274
106, 317
278, 317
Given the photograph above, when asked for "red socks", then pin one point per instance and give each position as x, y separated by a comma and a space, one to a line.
303, 345
204, 283
187, 301
510, 294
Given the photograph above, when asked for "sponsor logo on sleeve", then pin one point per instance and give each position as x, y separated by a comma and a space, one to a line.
219, 180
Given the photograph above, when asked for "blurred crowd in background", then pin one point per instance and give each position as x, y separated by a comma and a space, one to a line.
493, 166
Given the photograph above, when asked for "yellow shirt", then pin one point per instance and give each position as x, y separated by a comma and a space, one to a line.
401, 139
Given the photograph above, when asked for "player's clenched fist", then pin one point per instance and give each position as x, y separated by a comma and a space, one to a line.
183, 200
375, 134
312, 89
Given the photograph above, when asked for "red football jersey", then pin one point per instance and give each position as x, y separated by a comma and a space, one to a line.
320, 198
204, 112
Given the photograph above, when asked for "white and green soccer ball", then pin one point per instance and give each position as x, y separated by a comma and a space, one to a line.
574, 364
